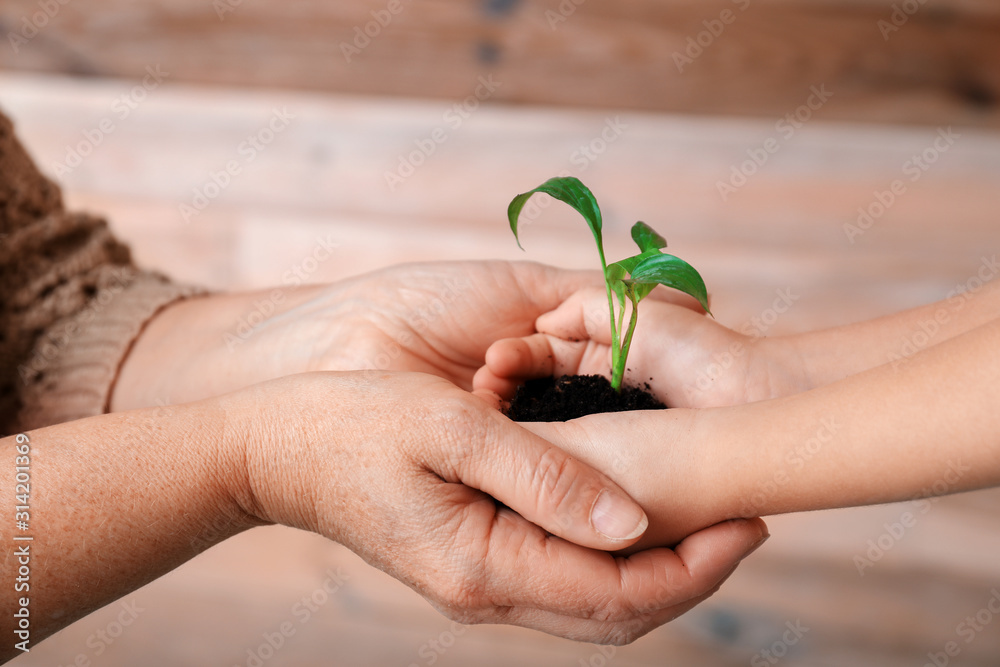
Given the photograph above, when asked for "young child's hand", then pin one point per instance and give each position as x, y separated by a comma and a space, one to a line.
686, 357
677, 464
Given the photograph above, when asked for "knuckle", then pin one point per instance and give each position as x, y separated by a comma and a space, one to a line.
636, 600
623, 636
615, 610
462, 602
466, 616
623, 633
448, 433
459, 588
460, 427
558, 481
552, 470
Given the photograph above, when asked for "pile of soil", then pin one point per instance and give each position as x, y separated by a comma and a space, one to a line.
571, 396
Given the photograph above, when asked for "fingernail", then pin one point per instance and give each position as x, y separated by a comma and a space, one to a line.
617, 518
757, 545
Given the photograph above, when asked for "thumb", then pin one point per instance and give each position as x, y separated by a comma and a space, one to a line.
556, 492
584, 315
545, 287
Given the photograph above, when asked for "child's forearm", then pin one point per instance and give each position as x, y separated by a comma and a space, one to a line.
926, 426
833, 354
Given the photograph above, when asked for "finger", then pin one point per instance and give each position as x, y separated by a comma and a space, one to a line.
584, 315
550, 488
593, 631
539, 355
630, 631
491, 398
530, 356
579, 583
512, 361
485, 380
530, 569
545, 287
711, 553
597, 631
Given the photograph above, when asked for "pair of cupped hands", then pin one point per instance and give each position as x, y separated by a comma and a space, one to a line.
368, 412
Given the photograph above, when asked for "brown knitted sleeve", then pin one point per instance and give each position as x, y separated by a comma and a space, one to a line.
71, 300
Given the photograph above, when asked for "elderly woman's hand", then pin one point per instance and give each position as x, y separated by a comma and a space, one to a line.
436, 318
404, 468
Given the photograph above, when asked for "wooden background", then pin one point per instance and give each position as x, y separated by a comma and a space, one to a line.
938, 67
324, 176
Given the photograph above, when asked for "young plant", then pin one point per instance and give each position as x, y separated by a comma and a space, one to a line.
630, 279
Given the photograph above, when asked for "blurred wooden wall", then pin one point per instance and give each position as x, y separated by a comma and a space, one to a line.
910, 61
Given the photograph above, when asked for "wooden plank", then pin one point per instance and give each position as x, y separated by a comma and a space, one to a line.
936, 68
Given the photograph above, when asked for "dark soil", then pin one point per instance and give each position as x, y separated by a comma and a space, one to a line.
571, 396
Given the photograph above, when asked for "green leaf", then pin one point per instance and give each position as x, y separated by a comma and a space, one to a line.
566, 189
646, 238
663, 269
629, 263
642, 290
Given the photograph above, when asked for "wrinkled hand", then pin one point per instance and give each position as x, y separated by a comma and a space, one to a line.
403, 469
436, 318
687, 358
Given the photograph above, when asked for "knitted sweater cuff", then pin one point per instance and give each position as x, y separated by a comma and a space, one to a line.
75, 364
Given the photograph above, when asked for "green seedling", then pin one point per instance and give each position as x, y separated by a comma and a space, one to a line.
631, 279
